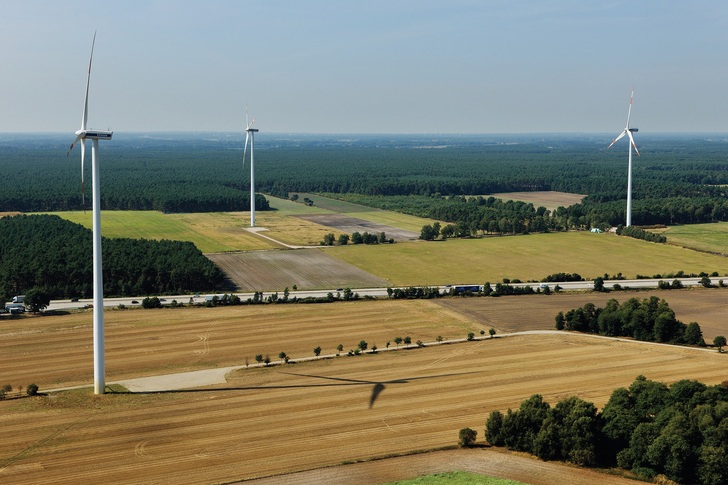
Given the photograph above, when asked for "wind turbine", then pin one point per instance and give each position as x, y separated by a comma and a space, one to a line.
250, 135
628, 131
94, 136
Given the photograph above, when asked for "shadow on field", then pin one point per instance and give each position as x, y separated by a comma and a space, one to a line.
378, 386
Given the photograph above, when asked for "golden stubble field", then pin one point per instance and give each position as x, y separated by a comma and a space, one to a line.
269, 421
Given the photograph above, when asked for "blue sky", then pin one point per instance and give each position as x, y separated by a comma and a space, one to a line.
332, 66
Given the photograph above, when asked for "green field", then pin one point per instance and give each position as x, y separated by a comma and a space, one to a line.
210, 232
530, 257
712, 238
456, 478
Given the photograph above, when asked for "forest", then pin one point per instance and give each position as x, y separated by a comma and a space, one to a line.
680, 431
678, 179
52, 254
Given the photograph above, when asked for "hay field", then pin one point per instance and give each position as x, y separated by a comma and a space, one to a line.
711, 237
268, 421
530, 257
549, 199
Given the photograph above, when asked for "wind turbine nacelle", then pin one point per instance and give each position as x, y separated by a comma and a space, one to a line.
95, 134
634, 130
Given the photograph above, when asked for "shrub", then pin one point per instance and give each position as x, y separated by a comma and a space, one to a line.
466, 437
471, 336
31, 390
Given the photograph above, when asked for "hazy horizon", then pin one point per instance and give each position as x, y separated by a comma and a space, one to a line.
376, 67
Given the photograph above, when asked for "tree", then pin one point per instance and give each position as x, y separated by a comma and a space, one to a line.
340, 348
155, 302
31, 390
491, 332
317, 351
37, 299
356, 238
363, 345
598, 283
408, 340
283, 357
719, 342
328, 239
259, 358
694, 335
466, 437
471, 336
343, 239
397, 340
493, 428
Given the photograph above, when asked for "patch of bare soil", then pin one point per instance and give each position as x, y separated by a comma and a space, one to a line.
348, 224
492, 462
305, 268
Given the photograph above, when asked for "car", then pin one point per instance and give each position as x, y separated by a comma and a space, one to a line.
162, 299
134, 302
74, 300
339, 289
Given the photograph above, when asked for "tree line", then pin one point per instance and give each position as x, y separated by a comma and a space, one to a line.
679, 431
49, 253
175, 173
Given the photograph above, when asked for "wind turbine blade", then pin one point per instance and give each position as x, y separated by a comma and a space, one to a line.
631, 139
251, 123
618, 138
629, 111
79, 137
88, 81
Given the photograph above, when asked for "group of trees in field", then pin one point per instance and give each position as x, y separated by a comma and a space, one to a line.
49, 257
680, 431
650, 319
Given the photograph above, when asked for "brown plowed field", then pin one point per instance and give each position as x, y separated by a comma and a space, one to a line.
537, 312
277, 420
348, 224
306, 268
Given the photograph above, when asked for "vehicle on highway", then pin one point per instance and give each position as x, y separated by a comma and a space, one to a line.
134, 302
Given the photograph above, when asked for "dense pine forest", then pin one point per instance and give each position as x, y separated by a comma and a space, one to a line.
49, 253
678, 179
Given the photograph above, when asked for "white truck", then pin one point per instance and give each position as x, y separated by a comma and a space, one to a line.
18, 299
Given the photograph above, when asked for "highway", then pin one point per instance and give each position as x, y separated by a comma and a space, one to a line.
374, 292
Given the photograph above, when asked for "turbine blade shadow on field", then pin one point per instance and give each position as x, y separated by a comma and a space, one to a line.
379, 386
377, 389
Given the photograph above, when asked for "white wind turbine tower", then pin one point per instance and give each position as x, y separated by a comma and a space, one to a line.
250, 135
628, 131
94, 136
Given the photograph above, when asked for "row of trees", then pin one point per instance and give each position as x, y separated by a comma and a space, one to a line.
53, 256
639, 233
650, 319
649, 428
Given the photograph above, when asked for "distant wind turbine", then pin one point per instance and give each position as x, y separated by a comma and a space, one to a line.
250, 135
628, 131
94, 136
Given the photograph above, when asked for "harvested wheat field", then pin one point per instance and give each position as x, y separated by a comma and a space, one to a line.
269, 421
276, 420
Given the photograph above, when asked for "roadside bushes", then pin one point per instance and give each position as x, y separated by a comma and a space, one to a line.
639, 233
650, 319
